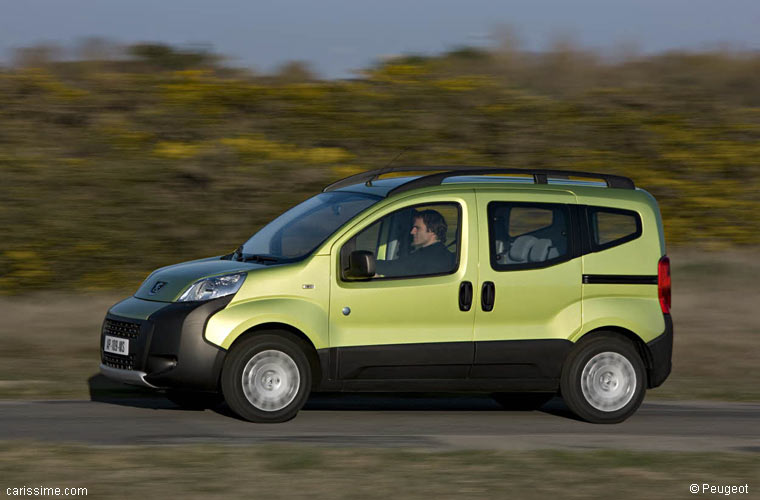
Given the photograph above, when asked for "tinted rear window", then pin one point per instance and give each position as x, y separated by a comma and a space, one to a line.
611, 227
528, 235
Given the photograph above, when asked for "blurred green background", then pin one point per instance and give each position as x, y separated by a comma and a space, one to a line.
111, 167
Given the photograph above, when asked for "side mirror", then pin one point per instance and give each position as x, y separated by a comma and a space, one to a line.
361, 265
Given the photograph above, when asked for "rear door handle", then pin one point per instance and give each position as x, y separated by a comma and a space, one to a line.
488, 296
465, 296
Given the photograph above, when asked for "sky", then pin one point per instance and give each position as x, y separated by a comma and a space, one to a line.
339, 36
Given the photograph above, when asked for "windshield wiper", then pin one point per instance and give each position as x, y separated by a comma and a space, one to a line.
237, 254
257, 258
234, 255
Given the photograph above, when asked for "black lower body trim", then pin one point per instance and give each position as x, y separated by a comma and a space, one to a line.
491, 366
171, 350
452, 385
661, 352
444, 360
520, 359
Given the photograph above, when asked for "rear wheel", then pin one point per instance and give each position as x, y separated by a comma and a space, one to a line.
603, 380
267, 377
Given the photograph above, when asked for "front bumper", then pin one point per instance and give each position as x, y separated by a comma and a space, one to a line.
166, 350
131, 377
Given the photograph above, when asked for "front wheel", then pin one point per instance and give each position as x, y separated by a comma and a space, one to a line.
267, 378
603, 379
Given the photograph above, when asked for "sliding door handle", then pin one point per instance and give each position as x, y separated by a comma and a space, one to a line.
465, 296
488, 296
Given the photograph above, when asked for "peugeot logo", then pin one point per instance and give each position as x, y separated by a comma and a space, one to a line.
158, 286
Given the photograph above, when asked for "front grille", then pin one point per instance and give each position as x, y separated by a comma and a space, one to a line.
123, 329
121, 362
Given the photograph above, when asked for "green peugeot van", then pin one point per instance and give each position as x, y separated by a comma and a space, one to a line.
450, 279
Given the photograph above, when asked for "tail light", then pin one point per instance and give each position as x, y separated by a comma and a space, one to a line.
663, 283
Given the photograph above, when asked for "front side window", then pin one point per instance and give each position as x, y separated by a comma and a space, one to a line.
527, 235
421, 240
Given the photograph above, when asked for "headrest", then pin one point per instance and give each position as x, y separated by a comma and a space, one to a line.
540, 250
521, 248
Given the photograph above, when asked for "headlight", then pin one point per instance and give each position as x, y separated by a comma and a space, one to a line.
213, 288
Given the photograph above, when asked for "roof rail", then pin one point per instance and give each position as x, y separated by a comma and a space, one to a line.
370, 175
540, 176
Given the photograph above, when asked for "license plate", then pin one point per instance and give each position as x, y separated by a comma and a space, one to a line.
115, 345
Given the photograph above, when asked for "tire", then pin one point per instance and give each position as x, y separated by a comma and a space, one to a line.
190, 400
522, 401
267, 377
603, 379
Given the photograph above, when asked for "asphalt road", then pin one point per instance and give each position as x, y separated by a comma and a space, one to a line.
421, 422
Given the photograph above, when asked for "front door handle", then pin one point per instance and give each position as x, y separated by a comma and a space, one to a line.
488, 296
465, 296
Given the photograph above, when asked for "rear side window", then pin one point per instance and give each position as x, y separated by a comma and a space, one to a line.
611, 227
524, 220
528, 235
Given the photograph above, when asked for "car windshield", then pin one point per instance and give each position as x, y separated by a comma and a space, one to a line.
299, 231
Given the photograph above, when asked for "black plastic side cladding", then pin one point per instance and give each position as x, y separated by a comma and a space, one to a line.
514, 359
505, 366
661, 350
178, 335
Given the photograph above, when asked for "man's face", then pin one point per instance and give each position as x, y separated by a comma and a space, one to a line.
421, 236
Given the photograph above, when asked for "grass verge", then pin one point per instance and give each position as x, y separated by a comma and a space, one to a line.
284, 471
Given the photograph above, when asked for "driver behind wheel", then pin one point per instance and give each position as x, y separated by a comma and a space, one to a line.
430, 255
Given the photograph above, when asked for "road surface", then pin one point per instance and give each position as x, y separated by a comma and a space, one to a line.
419, 422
